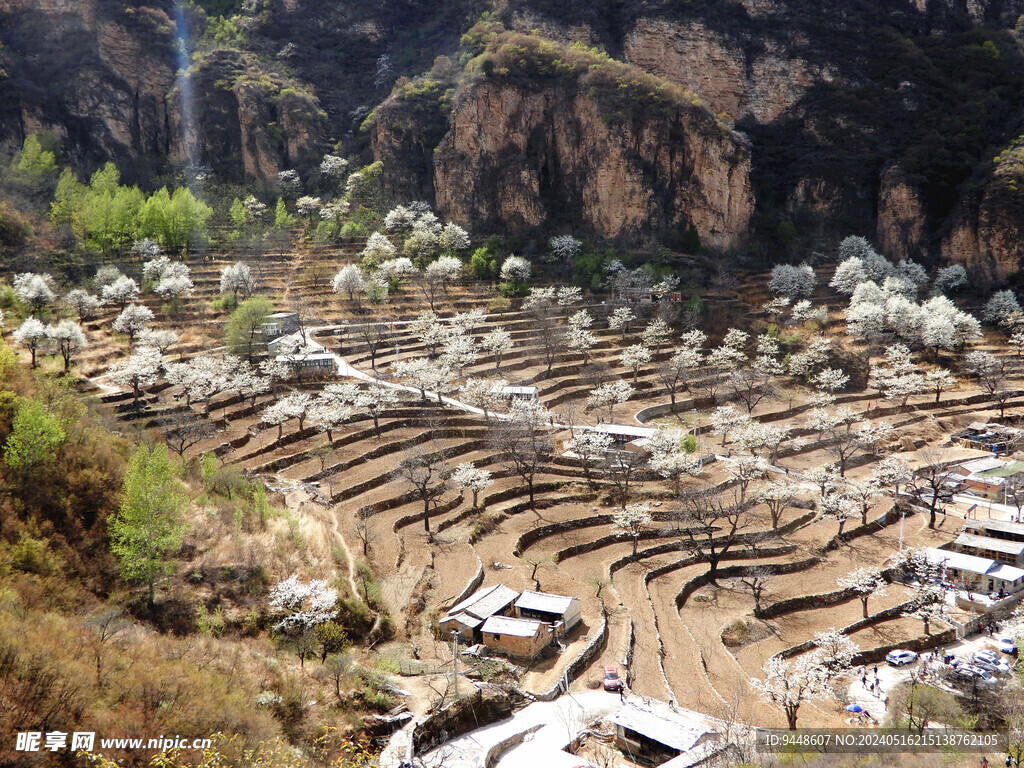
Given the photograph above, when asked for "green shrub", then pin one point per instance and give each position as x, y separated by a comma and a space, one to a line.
499, 304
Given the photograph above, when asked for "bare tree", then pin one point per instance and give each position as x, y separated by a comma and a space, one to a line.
183, 430
713, 523
756, 580
428, 475
523, 442
364, 531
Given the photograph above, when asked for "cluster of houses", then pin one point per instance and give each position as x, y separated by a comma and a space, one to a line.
287, 344
515, 624
987, 558
990, 477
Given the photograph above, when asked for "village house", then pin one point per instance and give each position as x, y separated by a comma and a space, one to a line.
990, 477
515, 637
279, 324
653, 733
624, 436
466, 618
988, 437
293, 343
562, 612
530, 394
977, 574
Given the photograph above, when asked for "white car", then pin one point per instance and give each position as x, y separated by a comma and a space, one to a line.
900, 657
1007, 644
995, 667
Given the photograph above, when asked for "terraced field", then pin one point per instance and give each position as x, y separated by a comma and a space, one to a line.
661, 612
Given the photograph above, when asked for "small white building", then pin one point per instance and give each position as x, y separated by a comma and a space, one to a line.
562, 612
293, 344
467, 617
279, 324
623, 435
520, 393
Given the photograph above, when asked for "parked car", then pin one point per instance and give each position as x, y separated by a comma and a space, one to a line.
986, 655
1007, 644
973, 672
900, 657
995, 667
611, 679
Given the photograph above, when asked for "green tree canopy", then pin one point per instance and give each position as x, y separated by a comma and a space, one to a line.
242, 333
35, 436
148, 527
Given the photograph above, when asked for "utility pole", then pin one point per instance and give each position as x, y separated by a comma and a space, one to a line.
455, 664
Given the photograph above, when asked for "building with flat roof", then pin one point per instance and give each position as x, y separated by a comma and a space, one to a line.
560, 611
519, 638
653, 733
467, 617
996, 529
279, 323
977, 574
623, 435
520, 393
1010, 552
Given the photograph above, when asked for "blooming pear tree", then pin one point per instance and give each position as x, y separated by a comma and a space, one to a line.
466, 477
865, 583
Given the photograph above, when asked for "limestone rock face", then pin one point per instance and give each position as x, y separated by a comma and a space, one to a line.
96, 74
987, 226
901, 217
246, 126
524, 157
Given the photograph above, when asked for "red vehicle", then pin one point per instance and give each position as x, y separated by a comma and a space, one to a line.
611, 679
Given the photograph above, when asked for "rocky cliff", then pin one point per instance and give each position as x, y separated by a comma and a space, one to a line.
535, 159
868, 116
986, 230
102, 76
97, 74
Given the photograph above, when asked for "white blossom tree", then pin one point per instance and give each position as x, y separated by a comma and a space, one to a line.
516, 269
565, 248
238, 280
453, 238
497, 342
837, 651
951, 279
378, 250
788, 684
138, 371
377, 400
865, 583
302, 606
635, 357
83, 302
466, 477
836, 506
792, 282
67, 340
620, 318
940, 380
674, 372
892, 471
31, 334
158, 339
485, 394
725, 418
609, 395
35, 290
349, 279
590, 448
120, 292
848, 275
777, 495
1001, 307
656, 333
633, 519
132, 321
438, 275
897, 378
